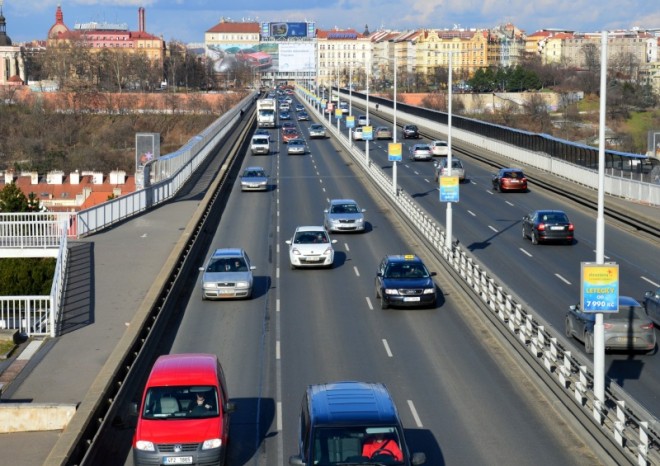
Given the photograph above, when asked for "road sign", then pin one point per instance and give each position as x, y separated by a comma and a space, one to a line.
449, 189
394, 151
600, 287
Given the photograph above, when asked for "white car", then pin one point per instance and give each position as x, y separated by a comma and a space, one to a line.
311, 246
363, 120
440, 148
357, 134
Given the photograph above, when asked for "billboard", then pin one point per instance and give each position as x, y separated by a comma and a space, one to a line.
287, 30
266, 56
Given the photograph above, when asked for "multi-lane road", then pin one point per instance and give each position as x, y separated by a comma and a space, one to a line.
461, 397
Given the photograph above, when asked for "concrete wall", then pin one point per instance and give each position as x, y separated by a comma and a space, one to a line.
34, 417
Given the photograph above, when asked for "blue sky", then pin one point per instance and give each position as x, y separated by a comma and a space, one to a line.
186, 20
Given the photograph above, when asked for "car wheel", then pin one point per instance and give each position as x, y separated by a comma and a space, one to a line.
535, 239
568, 329
589, 342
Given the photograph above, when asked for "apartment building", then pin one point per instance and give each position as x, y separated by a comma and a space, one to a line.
342, 54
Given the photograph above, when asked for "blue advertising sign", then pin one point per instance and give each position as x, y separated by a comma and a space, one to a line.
287, 30
600, 287
350, 121
449, 189
368, 133
394, 152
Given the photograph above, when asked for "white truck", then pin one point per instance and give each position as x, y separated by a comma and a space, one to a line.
266, 109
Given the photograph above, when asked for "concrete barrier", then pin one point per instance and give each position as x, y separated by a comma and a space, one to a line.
34, 417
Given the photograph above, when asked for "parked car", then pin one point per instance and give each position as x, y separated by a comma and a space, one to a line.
357, 134
289, 134
316, 130
548, 225
383, 132
457, 168
310, 246
509, 179
410, 132
296, 147
440, 148
420, 152
227, 274
629, 329
652, 305
343, 215
254, 179
404, 280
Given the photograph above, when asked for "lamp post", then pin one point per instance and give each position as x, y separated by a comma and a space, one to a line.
394, 163
449, 217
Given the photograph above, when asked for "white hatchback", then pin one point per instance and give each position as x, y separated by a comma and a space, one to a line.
440, 148
311, 246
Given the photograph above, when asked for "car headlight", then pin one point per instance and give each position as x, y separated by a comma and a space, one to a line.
429, 290
242, 284
391, 291
327, 252
295, 252
211, 443
145, 445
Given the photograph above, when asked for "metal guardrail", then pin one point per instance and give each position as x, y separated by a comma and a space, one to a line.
620, 418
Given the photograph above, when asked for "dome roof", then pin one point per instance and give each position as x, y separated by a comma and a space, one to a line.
4, 38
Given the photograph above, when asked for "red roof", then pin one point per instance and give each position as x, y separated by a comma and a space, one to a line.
226, 26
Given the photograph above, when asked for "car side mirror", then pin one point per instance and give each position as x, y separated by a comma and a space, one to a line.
433, 274
288, 241
133, 409
364, 210
418, 458
253, 267
230, 407
325, 211
333, 241
201, 269
379, 274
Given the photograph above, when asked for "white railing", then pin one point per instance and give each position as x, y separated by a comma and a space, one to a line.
619, 417
34, 234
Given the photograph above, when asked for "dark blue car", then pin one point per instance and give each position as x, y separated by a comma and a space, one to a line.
404, 280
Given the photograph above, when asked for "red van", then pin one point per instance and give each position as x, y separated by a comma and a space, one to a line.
184, 415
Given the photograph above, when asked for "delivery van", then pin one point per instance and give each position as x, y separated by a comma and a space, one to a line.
184, 413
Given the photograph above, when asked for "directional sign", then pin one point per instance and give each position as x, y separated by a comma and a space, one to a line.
394, 151
600, 287
449, 189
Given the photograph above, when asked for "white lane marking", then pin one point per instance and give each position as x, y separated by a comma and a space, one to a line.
387, 348
279, 416
494, 229
606, 257
356, 271
277, 305
489, 191
562, 279
525, 252
418, 421
471, 213
415, 172
277, 350
369, 303
346, 246
428, 181
509, 203
277, 248
650, 281
323, 189
277, 272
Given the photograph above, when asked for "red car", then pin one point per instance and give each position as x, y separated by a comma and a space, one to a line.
510, 179
254, 58
289, 134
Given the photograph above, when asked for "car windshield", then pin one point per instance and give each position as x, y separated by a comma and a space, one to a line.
406, 270
357, 445
423, 148
180, 402
310, 237
512, 175
344, 209
254, 173
227, 264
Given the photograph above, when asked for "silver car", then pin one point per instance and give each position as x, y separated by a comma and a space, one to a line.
311, 246
227, 274
420, 152
629, 329
457, 168
254, 179
296, 147
316, 131
343, 215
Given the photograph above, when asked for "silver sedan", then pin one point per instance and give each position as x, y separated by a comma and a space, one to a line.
343, 215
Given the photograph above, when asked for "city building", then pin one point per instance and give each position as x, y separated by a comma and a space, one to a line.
109, 36
12, 65
342, 54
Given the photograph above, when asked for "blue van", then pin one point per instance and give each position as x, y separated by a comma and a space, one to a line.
351, 423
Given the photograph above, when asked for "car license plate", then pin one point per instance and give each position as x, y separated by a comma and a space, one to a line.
226, 292
177, 460
556, 228
313, 259
411, 299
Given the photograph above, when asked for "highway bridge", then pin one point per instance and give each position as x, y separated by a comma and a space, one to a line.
463, 393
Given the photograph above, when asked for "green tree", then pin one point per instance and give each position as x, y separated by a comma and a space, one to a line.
12, 199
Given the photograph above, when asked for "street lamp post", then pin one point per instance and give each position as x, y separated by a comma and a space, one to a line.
394, 131
449, 219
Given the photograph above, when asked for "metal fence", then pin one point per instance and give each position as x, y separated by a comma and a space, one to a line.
619, 417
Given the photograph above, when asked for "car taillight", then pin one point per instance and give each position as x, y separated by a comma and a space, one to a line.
541, 226
648, 326
607, 326
570, 227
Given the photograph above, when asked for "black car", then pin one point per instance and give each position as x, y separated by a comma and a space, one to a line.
410, 132
404, 280
548, 225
